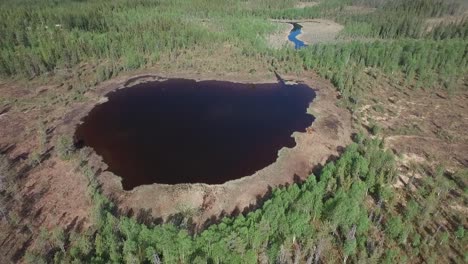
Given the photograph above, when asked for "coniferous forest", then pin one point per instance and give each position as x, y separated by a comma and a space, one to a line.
346, 212
49, 36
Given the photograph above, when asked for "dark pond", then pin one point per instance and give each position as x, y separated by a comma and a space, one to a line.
296, 31
183, 131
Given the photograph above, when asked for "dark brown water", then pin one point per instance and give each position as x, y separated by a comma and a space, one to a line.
183, 131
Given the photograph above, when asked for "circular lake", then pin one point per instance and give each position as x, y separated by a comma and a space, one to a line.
187, 131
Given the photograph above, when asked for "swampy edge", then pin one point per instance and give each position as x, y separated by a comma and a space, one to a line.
186, 131
327, 135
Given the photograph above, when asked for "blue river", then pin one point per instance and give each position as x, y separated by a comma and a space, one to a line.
293, 36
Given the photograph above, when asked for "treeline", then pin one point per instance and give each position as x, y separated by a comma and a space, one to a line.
39, 37
404, 19
425, 64
425, 8
346, 213
391, 19
55, 38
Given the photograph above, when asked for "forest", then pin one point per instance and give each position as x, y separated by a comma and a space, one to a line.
322, 219
124, 35
49, 36
347, 212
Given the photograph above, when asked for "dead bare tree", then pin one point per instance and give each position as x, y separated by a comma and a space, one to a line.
317, 250
297, 251
376, 210
311, 255
156, 259
352, 233
283, 256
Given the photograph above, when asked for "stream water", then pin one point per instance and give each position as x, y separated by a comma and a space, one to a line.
297, 30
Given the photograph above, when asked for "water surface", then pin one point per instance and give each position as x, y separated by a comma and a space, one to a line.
296, 31
183, 131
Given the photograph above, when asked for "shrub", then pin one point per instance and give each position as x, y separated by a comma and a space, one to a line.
460, 233
65, 147
375, 129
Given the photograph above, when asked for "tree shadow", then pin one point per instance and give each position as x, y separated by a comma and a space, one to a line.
28, 202
21, 157
49, 133
5, 109
7, 149
459, 182
75, 225
22, 250
259, 201
214, 219
317, 170
145, 216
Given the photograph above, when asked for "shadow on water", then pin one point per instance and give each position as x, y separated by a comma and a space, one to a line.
183, 131
296, 31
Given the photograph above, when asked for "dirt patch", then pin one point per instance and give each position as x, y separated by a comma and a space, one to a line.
52, 196
326, 137
49, 193
362, 10
426, 129
425, 123
406, 162
319, 31
305, 4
